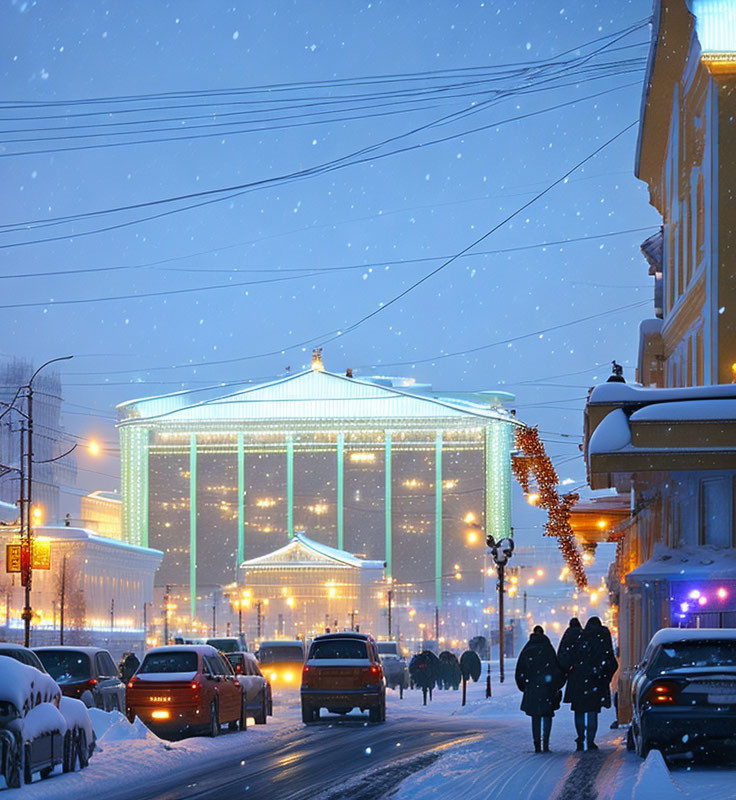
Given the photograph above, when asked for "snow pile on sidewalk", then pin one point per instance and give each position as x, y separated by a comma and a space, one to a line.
112, 726
654, 781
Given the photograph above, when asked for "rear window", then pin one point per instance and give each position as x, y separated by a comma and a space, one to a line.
224, 645
65, 666
339, 648
238, 661
273, 654
388, 648
684, 655
181, 661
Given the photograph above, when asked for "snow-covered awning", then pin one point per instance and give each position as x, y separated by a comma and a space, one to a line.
701, 563
635, 429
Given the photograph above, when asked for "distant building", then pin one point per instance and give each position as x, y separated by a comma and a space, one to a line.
671, 441
107, 597
306, 587
380, 467
49, 439
102, 511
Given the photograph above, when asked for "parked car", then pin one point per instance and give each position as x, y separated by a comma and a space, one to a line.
343, 671
256, 688
39, 729
282, 661
86, 673
186, 688
395, 668
80, 740
684, 691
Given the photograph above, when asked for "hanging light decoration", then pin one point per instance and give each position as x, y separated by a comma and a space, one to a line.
534, 463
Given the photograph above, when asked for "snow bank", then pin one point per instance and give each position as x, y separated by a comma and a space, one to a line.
113, 726
654, 781
24, 686
44, 718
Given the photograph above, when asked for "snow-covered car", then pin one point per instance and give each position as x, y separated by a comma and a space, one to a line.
256, 688
79, 739
86, 673
684, 691
34, 733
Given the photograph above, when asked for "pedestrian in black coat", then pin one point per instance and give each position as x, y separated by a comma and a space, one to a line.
593, 664
539, 677
564, 651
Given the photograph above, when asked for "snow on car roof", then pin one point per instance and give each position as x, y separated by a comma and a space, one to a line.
670, 635
21, 684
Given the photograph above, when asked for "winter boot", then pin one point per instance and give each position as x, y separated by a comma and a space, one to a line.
545, 744
580, 746
537, 746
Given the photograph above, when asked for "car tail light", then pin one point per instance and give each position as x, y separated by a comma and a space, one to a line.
373, 674
662, 693
131, 682
194, 686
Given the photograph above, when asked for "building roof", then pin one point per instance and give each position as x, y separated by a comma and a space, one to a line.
101, 494
70, 534
316, 394
302, 551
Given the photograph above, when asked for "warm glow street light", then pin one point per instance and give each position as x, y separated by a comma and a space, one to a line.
93, 448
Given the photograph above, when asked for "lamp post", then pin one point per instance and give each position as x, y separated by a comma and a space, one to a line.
501, 552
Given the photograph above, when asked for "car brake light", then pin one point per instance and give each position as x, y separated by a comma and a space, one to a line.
131, 682
305, 670
194, 686
662, 693
374, 669
93, 682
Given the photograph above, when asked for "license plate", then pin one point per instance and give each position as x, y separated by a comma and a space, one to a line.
722, 699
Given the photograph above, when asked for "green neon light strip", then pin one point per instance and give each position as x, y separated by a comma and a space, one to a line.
193, 524
241, 501
290, 485
438, 520
387, 503
340, 490
144, 488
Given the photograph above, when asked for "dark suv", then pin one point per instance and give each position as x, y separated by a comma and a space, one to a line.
87, 673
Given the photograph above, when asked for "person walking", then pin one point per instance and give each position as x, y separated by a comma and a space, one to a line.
590, 664
539, 677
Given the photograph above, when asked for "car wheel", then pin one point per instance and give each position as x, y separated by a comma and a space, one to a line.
630, 744
88, 699
270, 702
45, 772
14, 768
115, 703
70, 753
27, 771
307, 713
214, 721
374, 713
82, 748
260, 717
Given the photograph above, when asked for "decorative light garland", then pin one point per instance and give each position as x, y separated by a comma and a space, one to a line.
533, 462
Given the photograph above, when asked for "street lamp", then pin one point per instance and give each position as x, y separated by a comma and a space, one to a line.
501, 552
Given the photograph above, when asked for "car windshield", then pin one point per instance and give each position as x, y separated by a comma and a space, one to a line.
280, 653
176, 661
706, 653
339, 648
237, 660
387, 648
224, 645
66, 666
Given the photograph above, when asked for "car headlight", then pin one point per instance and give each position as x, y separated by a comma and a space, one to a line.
8, 712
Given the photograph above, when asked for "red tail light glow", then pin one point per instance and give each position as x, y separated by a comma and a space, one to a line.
131, 682
374, 669
662, 693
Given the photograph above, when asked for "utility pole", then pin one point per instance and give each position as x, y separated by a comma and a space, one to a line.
240, 617
112, 618
214, 617
390, 600
62, 600
259, 620
352, 620
437, 624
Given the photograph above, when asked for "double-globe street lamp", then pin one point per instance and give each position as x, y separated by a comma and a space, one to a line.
501, 552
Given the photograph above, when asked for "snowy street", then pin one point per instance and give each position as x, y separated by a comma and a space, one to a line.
480, 751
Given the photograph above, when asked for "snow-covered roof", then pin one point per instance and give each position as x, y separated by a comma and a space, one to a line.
68, 533
703, 562
612, 434
671, 635
691, 410
315, 394
303, 551
715, 25
9, 513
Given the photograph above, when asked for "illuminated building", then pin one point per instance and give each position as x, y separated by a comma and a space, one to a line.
102, 511
380, 467
106, 585
671, 440
306, 586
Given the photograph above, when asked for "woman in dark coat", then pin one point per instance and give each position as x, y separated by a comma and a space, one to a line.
539, 677
593, 664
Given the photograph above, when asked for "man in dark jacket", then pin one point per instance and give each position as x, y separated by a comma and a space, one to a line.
592, 664
539, 677
565, 648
